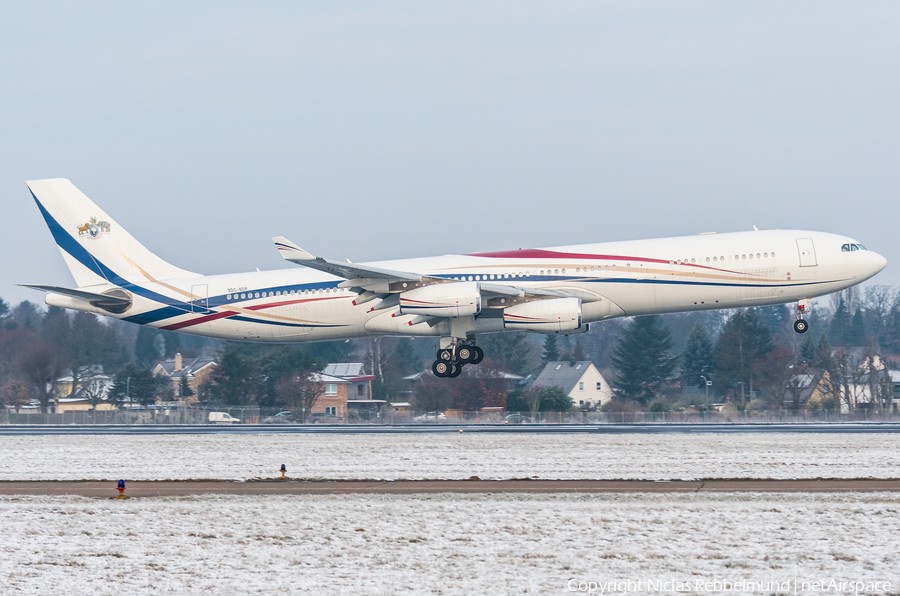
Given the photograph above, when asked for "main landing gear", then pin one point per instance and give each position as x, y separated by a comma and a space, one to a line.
450, 360
800, 325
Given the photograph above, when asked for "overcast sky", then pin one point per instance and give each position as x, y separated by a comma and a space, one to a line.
377, 130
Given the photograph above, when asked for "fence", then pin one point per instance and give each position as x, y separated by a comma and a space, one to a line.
255, 415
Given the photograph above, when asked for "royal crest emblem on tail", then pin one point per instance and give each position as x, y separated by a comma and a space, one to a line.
94, 228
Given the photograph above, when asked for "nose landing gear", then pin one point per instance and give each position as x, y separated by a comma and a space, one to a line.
450, 360
800, 325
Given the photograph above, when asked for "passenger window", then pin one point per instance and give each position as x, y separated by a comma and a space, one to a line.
845, 248
854, 248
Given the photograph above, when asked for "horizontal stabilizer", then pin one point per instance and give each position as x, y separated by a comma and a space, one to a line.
115, 301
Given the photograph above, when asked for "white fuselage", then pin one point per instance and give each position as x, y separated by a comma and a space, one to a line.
613, 279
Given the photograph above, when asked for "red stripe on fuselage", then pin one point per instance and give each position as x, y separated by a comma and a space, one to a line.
229, 313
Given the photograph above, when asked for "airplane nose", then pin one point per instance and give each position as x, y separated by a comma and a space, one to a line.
878, 263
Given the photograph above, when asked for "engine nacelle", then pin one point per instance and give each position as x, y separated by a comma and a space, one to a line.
556, 315
460, 299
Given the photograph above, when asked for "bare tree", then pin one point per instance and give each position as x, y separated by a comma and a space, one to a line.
94, 392
533, 397
431, 397
795, 389
300, 394
40, 366
848, 369
775, 372
15, 394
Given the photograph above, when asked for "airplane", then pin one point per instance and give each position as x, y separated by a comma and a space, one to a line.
559, 290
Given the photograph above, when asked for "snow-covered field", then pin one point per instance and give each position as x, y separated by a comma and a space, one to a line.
444, 544
450, 456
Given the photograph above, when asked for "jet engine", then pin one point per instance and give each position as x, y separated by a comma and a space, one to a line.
556, 315
460, 299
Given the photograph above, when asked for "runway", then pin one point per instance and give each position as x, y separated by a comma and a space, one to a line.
421, 487
361, 429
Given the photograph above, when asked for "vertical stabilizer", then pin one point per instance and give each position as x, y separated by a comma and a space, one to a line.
96, 249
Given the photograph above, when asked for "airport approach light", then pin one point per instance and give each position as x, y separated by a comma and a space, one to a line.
121, 488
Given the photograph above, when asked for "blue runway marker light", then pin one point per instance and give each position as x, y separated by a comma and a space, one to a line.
283, 470
121, 486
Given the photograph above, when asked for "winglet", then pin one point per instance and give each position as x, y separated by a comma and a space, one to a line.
290, 251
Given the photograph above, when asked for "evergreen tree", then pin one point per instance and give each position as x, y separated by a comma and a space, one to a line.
171, 343
4, 310
184, 388
839, 329
555, 400
509, 352
551, 352
808, 349
773, 317
146, 347
578, 352
642, 360
26, 315
856, 334
698, 358
744, 341
816, 352
138, 383
407, 362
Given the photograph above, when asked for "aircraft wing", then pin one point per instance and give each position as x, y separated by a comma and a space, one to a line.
293, 253
373, 282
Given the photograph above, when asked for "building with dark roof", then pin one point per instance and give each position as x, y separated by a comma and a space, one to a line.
195, 370
580, 380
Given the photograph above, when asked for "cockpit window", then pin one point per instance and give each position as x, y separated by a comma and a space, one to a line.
861, 247
854, 247
845, 248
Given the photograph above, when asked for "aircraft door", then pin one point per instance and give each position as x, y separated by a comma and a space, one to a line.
807, 252
200, 299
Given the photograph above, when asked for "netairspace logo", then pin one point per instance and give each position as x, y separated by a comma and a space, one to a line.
718, 586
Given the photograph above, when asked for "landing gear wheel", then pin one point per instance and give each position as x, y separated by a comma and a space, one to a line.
800, 326
445, 355
479, 355
465, 354
440, 368
455, 369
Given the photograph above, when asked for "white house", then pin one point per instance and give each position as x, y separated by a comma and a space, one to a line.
579, 379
